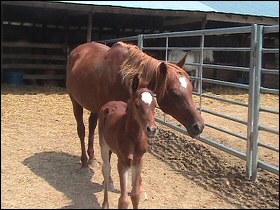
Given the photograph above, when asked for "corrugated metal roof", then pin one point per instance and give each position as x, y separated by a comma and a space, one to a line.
256, 8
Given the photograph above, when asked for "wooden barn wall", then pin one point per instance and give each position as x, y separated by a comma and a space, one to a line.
68, 29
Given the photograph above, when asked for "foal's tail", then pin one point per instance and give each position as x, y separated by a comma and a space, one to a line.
102, 120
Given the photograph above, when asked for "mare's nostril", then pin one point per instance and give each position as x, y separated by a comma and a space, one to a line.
196, 128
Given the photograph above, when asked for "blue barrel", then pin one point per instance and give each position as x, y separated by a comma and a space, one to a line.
15, 78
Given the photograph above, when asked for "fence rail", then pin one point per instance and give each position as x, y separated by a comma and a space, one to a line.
254, 88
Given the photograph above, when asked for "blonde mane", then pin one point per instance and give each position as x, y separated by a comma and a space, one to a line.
138, 62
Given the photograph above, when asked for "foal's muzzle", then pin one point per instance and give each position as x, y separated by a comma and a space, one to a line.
151, 130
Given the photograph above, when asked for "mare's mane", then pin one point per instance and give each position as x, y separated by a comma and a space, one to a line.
140, 63
145, 65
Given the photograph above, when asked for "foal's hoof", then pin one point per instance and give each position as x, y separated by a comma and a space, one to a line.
111, 186
143, 196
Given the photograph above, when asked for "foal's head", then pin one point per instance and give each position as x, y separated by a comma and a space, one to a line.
142, 106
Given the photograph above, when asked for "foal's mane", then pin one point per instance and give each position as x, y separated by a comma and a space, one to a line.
138, 62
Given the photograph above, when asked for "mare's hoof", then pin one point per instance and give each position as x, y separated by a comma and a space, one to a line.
143, 196
86, 171
92, 162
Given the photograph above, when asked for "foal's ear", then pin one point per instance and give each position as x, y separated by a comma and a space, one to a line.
182, 62
135, 83
160, 76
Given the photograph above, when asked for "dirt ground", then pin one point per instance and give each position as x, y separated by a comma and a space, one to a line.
40, 160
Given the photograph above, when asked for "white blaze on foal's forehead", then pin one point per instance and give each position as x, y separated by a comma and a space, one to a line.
147, 97
183, 81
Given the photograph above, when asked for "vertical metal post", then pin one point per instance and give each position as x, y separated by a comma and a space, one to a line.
199, 88
89, 29
140, 41
256, 122
251, 101
166, 58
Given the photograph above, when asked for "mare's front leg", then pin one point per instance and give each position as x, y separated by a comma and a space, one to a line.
123, 169
78, 113
136, 181
92, 122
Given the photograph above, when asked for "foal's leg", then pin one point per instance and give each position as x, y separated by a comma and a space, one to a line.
106, 169
92, 122
123, 170
78, 113
136, 182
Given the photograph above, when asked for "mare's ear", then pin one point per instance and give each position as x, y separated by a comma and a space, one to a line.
135, 83
160, 76
182, 62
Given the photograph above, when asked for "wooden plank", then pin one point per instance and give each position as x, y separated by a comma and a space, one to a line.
33, 45
33, 66
35, 57
43, 76
242, 19
2, 34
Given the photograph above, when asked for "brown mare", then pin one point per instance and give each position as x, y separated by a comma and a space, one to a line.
97, 74
124, 129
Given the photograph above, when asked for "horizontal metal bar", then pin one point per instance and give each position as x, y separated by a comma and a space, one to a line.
129, 38
268, 90
206, 140
228, 49
268, 167
271, 29
225, 116
232, 84
220, 31
226, 131
268, 146
270, 50
273, 111
232, 68
270, 71
270, 130
222, 147
224, 99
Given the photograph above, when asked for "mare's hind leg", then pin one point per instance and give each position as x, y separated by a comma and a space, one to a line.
78, 113
92, 122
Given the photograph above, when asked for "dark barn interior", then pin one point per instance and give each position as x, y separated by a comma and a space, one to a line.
37, 36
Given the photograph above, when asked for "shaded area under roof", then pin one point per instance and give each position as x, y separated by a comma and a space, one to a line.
256, 8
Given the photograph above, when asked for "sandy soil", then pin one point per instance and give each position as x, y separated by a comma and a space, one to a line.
40, 161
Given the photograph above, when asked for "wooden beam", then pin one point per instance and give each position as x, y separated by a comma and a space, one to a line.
180, 21
2, 39
32, 45
33, 66
34, 57
43, 76
242, 19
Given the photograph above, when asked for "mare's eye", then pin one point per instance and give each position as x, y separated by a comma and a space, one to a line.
175, 93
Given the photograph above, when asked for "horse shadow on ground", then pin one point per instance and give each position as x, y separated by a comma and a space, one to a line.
58, 170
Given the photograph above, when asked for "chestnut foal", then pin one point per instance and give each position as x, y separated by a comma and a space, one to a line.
124, 129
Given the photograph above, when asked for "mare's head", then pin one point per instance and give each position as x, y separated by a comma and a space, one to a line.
174, 96
169, 82
142, 106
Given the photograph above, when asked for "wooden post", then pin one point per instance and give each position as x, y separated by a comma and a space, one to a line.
89, 29
2, 33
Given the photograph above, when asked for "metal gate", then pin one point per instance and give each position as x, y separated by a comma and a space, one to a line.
255, 71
